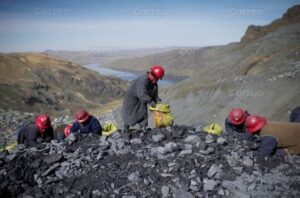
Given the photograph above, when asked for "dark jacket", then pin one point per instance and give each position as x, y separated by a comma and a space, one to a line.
29, 134
230, 128
275, 135
92, 125
295, 115
141, 92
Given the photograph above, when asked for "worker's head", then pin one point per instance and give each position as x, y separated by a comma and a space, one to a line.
237, 116
82, 116
255, 123
67, 130
156, 73
43, 122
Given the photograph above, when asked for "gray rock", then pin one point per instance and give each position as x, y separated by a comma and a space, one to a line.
129, 196
209, 139
179, 192
247, 161
136, 141
52, 158
170, 147
134, 177
116, 135
96, 193
165, 191
169, 129
10, 157
187, 146
221, 192
209, 184
213, 170
221, 140
158, 138
192, 139
146, 182
186, 152
51, 168
208, 151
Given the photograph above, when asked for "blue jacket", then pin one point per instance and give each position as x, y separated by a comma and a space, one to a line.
29, 134
295, 115
92, 125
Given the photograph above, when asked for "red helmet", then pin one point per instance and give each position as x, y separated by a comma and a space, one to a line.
82, 116
43, 122
68, 130
237, 116
158, 71
255, 123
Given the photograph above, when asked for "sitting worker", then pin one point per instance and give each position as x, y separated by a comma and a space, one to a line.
86, 123
36, 132
143, 91
273, 135
295, 115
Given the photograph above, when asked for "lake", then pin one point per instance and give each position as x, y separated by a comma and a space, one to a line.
124, 75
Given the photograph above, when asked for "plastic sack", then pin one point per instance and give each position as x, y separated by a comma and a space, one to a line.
213, 128
9, 147
109, 128
162, 115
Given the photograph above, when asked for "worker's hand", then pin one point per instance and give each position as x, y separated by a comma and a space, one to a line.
158, 100
152, 104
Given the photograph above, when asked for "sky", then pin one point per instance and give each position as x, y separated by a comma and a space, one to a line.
38, 25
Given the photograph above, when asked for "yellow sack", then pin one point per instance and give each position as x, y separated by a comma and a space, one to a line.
109, 128
162, 115
9, 147
213, 128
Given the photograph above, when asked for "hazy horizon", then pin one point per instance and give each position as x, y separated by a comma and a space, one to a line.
36, 26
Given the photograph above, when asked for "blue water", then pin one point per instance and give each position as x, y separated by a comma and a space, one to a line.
128, 76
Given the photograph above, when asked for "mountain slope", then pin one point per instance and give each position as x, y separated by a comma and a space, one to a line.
260, 74
38, 82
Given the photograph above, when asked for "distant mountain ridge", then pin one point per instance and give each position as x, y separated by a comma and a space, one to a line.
37, 82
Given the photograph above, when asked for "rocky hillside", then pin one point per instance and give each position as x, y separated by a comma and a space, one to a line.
37, 82
262, 76
254, 32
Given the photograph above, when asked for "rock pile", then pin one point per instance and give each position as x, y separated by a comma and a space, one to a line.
169, 162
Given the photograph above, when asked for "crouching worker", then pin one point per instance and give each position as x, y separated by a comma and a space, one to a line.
273, 135
235, 122
86, 123
143, 91
36, 132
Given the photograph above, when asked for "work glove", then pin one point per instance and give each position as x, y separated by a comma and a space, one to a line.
152, 104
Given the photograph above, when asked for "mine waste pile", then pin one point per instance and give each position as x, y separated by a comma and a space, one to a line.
178, 161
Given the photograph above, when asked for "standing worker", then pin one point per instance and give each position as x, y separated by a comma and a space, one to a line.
38, 131
143, 91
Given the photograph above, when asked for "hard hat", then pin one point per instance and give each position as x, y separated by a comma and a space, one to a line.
43, 122
255, 123
158, 71
67, 130
237, 116
82, 116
